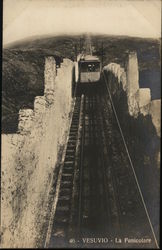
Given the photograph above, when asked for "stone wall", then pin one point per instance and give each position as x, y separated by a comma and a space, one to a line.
29, 157
138, 99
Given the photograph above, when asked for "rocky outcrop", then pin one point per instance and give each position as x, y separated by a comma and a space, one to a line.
155, 112
25, 120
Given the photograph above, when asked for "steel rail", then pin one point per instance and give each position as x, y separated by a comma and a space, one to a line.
75, 194
106, 178
81, 169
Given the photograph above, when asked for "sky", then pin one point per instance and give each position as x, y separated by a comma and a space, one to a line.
25, 18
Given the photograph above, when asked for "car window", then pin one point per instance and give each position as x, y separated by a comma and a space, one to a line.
90, 67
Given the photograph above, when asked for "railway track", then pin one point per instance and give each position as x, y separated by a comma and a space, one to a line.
68, 175
98, 196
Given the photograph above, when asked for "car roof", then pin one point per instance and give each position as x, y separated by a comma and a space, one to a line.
89, 58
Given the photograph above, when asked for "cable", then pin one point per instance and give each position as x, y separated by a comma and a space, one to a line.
131, 163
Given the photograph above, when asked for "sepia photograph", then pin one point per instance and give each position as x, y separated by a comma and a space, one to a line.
80, 124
